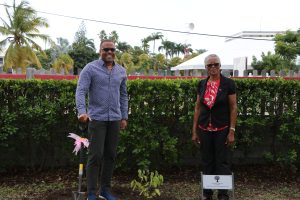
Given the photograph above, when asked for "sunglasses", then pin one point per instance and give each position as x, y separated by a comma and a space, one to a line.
109, 49
213, 65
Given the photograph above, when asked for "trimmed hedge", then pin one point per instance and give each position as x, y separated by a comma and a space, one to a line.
36, 117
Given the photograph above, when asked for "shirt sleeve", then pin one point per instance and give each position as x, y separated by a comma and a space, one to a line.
232, 87
82, 89
124, 98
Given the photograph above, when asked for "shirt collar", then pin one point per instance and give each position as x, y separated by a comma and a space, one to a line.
102, 63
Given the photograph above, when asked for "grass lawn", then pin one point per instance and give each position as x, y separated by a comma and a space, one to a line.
251, 182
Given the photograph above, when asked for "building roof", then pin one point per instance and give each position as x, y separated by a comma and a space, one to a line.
233, 48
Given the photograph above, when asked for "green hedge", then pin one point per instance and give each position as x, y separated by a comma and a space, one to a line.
36, 117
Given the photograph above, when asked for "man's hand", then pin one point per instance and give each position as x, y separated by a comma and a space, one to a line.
83, 118
123, 124
230, 138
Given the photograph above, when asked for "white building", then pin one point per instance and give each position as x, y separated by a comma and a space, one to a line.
1, 58
236, 53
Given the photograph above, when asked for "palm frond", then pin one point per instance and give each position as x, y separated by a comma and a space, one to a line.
4, 31
5, 25
40, 22
31, 54
3, 44
9, 16
44, 37
33, 45
9, 56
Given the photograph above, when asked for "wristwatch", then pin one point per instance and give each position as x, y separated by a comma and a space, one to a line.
233, 129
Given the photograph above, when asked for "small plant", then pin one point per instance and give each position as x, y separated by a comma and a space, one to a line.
148, 183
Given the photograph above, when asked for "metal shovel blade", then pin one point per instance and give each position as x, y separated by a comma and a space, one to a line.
78, 195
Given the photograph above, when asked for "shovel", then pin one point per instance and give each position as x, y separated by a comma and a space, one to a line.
79, 195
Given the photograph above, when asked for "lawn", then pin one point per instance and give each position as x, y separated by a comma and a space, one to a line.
251, 182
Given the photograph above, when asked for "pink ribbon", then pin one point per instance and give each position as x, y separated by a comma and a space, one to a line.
79, 142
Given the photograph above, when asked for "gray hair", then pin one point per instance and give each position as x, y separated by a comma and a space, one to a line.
211, 56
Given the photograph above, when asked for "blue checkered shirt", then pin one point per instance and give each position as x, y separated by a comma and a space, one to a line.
107, 92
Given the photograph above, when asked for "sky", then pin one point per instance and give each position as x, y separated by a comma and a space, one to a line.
208, 16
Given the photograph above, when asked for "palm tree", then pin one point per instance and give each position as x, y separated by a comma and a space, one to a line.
159, 61
136, 51
144, 62
102, 35
20, 31
169, 48
123, 46
64, 61
179, 48
126, 61
114, 36
200, 51
145, 45
155, 36
187, 49
63, 45
86, 43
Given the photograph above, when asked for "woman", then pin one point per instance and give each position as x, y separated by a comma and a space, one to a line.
214, 121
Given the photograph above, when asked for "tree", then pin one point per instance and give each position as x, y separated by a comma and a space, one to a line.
45, 59
123, 47
83, 49
153, 37
190, 56
81, 40
62, 45
20, 32
168, 47
114, 36
287, 45
126, 61
144, 62
49, 56
160, 61
187, 49
200, 51
145, 45
179, 48
136, 52
102, 35
64, 61
272, 62
175, 61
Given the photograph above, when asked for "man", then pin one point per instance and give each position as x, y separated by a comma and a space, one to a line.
105, 82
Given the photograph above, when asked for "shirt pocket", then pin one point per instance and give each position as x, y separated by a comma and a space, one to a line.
116, 79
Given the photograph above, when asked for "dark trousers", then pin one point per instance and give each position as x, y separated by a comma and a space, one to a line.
215, 156
103, 138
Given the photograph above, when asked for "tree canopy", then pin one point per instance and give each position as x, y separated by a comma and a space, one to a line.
21, 32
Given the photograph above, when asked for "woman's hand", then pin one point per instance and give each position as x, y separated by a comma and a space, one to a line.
195, 138
230, 138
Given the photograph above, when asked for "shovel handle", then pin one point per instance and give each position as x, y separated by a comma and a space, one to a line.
80, 169
80, 176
